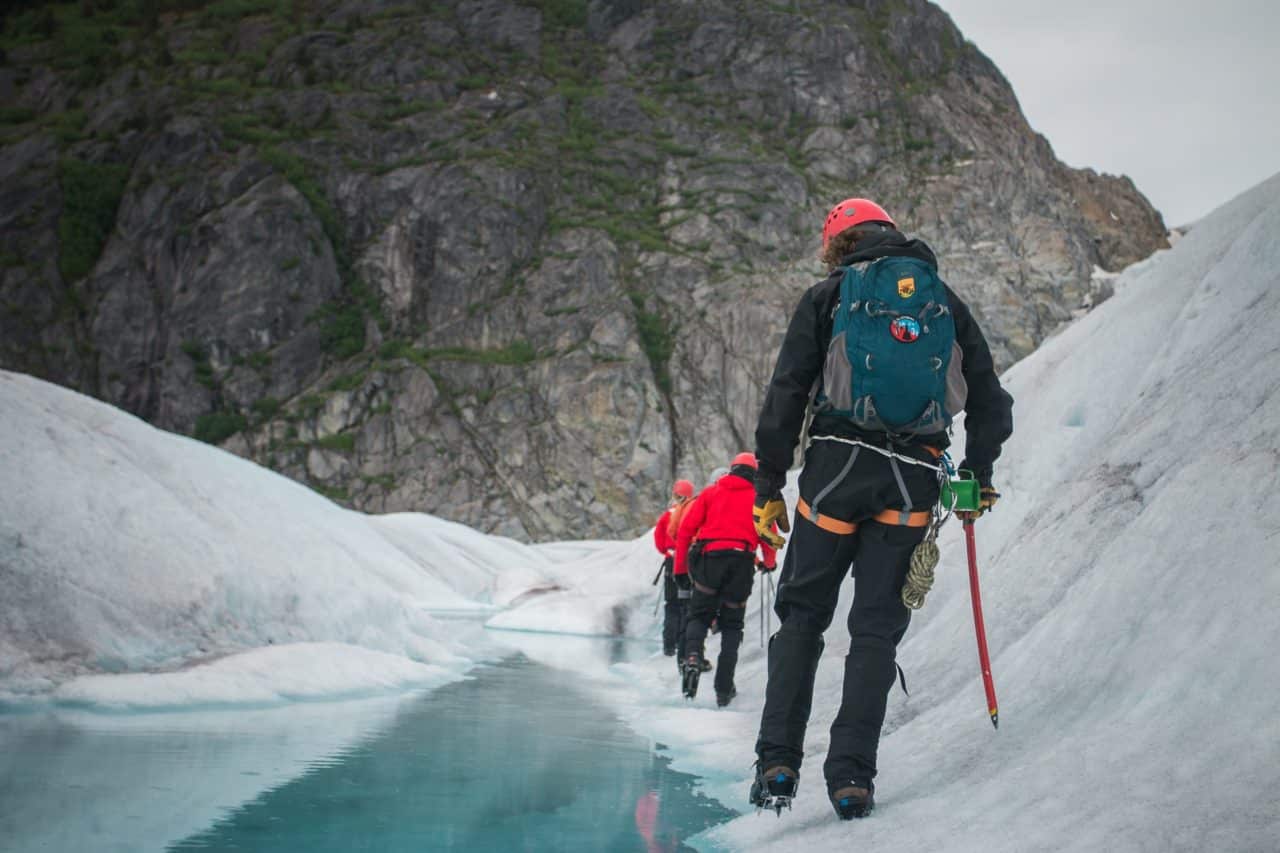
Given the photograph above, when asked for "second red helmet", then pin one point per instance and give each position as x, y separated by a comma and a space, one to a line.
744, 458
682, 489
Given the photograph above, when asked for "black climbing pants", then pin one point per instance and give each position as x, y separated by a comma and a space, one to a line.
671, 609
815, 566
721, 586
677, 590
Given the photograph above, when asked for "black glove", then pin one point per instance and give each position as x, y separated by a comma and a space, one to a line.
763, 567
769, 482
982, 475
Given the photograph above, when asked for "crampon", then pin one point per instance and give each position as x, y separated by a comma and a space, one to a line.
774, 788
689, 676
854, 800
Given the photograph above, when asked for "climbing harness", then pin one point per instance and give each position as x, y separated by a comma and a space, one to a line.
888, 451
924, 559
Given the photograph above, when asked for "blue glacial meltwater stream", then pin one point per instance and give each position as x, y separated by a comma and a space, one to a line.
519, 757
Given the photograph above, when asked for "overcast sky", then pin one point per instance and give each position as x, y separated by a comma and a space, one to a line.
1182, 97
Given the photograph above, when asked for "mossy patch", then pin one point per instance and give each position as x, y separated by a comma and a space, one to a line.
217, 427
91, 195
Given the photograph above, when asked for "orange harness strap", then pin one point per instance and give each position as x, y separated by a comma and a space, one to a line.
902, 518
898, 518
825, 522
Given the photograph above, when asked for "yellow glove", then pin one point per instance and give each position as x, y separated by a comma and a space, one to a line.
987, 498
765, 513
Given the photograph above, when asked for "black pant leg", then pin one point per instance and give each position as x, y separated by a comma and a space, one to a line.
731, 628
670, 611
877, 622
814, 567
735, 590
702, 609
684, 589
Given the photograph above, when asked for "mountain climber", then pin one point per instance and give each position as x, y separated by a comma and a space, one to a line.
714, 628
665, 541
717, 543
881, 357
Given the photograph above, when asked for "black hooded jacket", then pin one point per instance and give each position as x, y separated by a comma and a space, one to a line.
988, 409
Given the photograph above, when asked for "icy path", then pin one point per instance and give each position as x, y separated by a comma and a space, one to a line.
1132, 593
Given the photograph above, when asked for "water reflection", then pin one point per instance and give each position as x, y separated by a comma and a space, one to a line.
519, 758
79, 781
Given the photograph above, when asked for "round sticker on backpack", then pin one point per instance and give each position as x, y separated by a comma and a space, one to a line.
905, 329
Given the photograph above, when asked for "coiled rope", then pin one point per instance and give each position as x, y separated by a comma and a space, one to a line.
920, 576
924, 559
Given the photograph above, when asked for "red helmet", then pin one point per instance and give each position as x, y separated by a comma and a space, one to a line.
682, 489
745, 458
851, 212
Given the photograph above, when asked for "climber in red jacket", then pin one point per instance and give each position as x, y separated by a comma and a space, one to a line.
716, 544
664, 539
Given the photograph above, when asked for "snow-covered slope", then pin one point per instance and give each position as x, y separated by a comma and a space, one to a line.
124, 549
1132, 594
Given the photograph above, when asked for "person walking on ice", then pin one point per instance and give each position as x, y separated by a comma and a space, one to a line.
889, 354
664, 539
717, 543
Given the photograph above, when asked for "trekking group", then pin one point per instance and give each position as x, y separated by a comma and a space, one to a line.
876, 361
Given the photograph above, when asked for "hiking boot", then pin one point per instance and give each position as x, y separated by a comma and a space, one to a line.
723, 699
773, 788
690, 673
669, 651
706, 666
853, 799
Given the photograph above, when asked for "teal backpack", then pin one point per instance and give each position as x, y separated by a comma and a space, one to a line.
893, 364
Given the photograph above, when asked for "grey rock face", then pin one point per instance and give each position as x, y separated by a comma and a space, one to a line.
515, 264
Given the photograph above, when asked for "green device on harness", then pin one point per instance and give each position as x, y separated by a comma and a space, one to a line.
962, 494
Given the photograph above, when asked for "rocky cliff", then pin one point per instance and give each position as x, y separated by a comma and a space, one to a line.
514, 263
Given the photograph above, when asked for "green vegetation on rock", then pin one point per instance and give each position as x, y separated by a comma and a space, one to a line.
658, 339
217, 427
91, 194
344, 442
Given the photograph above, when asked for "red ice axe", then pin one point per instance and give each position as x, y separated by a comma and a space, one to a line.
976, 597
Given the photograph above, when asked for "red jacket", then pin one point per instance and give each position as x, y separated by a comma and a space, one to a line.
661, 539
673, 517
721, 517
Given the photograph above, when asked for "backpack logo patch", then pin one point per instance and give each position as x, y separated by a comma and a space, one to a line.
905, 329
906, 287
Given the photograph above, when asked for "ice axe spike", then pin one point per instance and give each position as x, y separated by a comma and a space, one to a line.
984, 658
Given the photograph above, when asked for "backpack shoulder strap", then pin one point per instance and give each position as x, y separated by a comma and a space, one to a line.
851, 279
